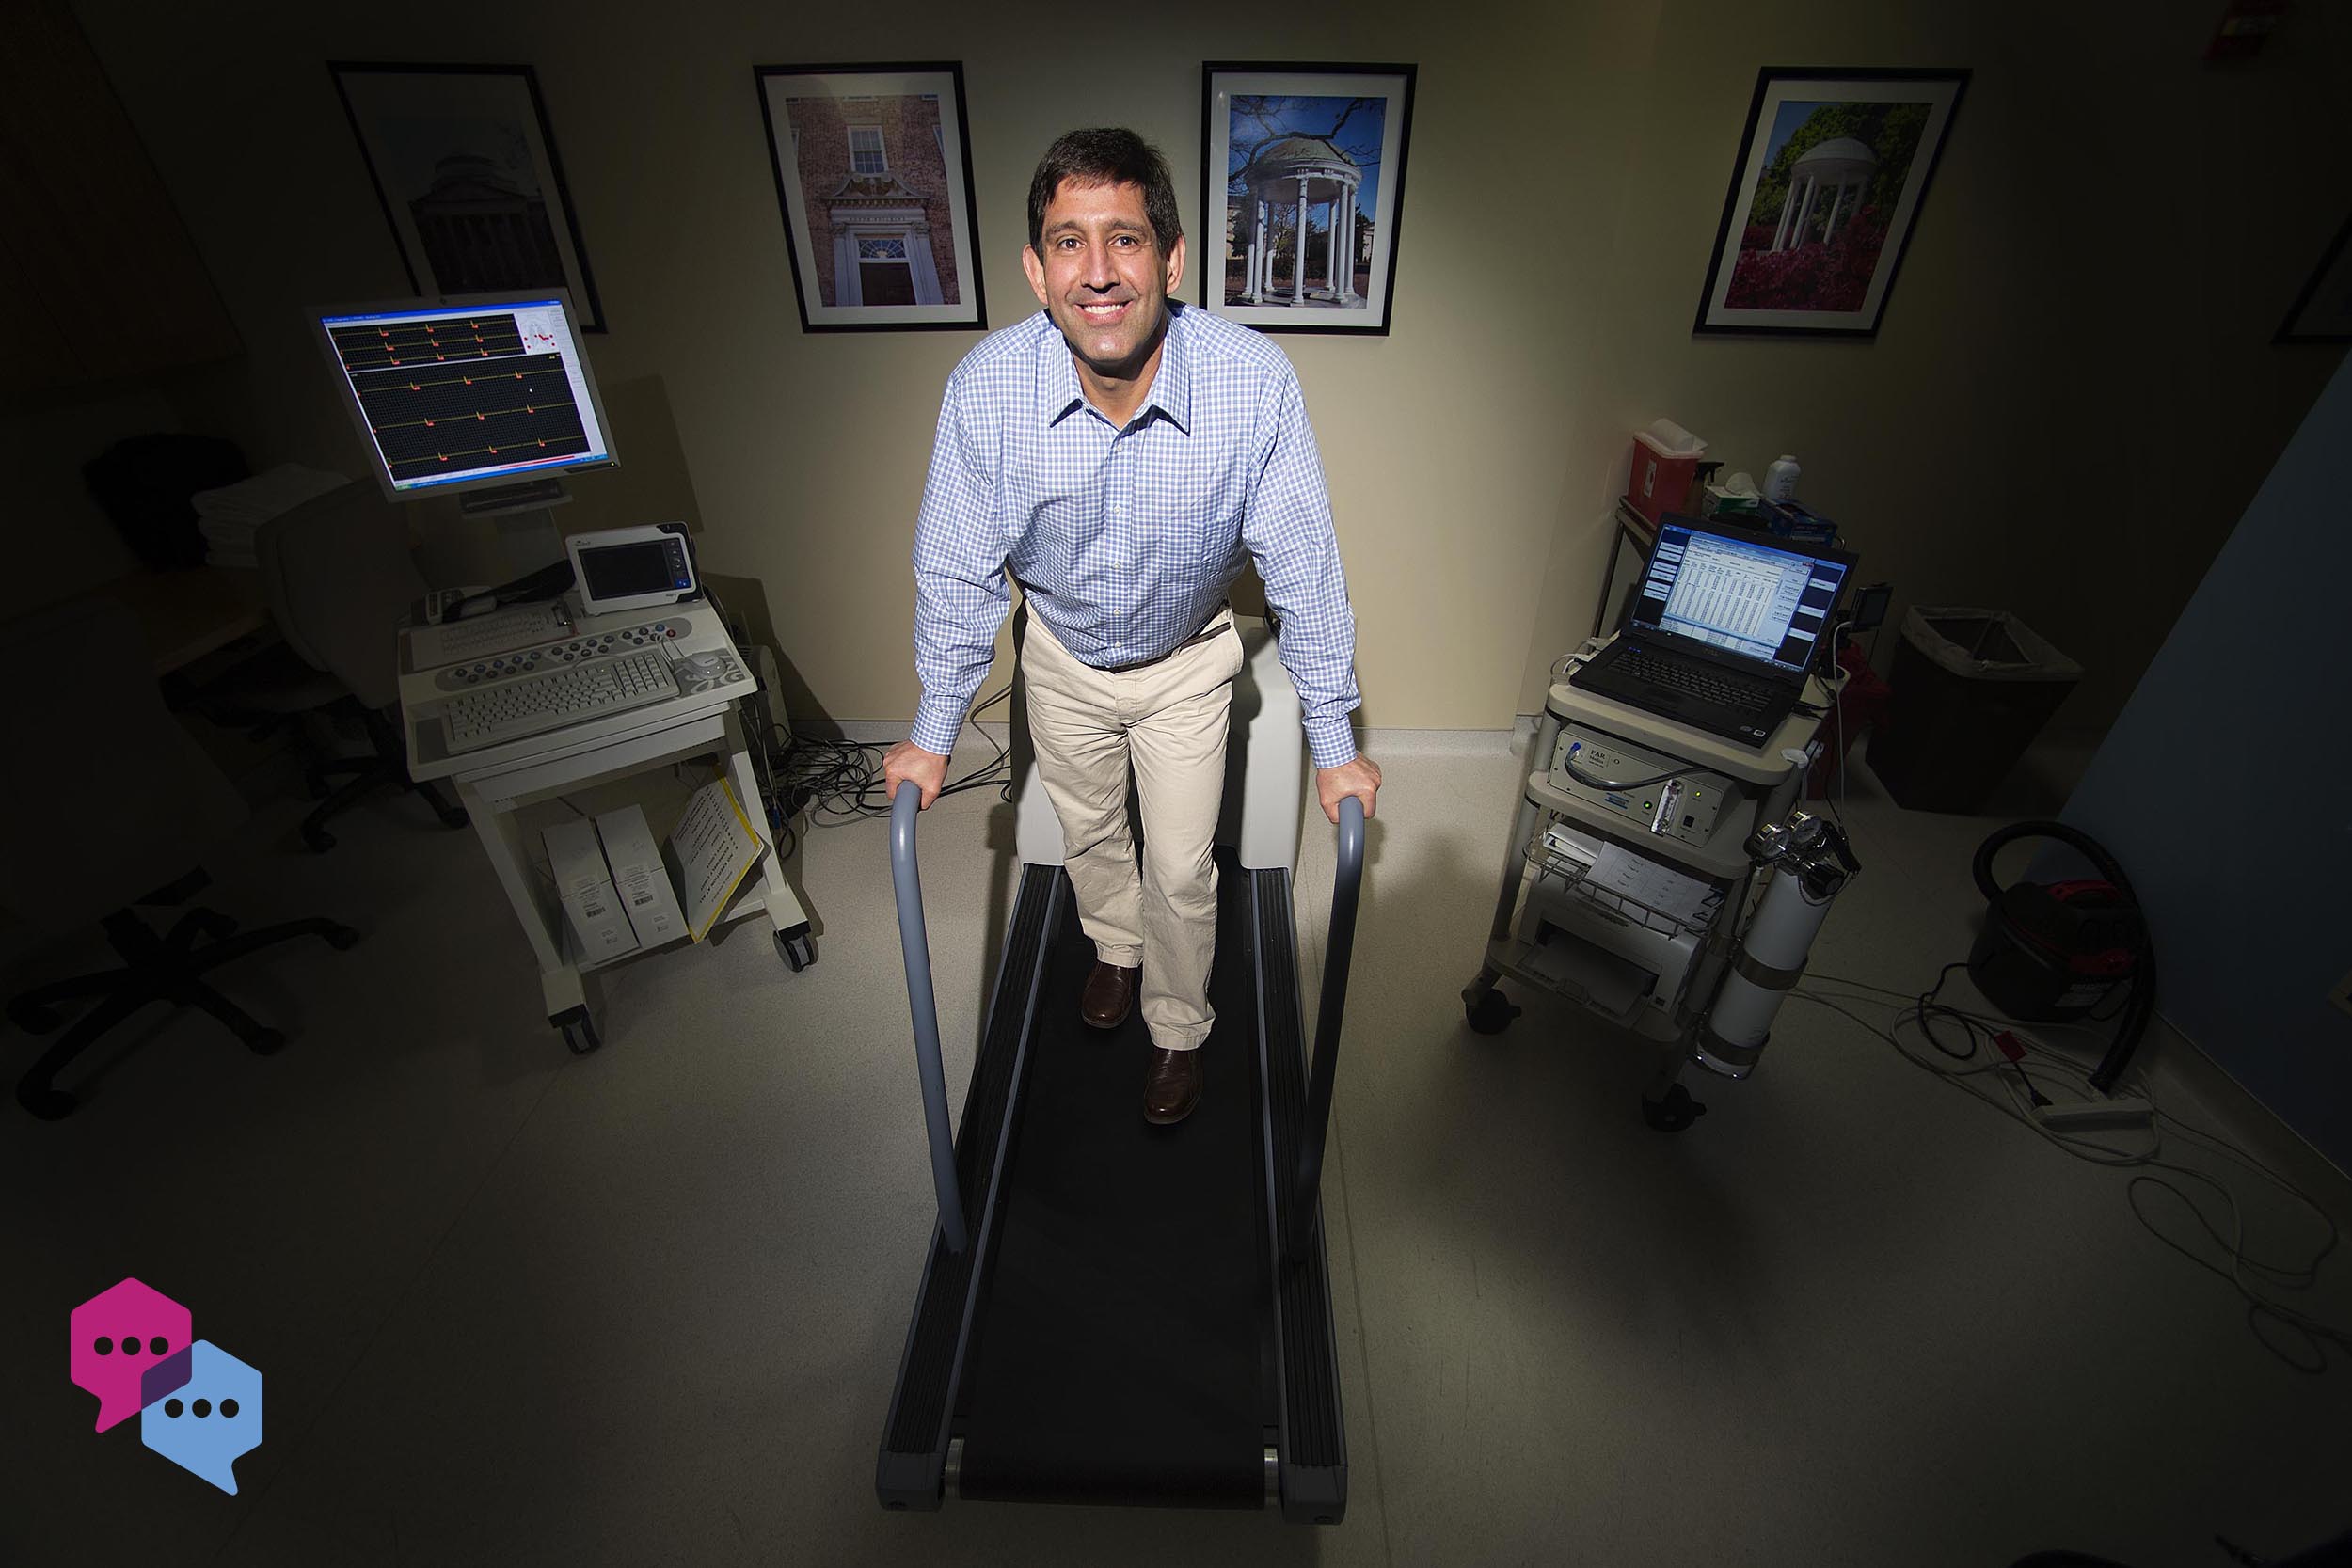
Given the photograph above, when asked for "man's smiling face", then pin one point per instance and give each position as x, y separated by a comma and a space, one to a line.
1102, 277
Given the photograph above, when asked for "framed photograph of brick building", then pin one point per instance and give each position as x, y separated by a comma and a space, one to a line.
465, 166
873, 166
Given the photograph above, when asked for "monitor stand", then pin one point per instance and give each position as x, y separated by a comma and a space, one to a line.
524, 516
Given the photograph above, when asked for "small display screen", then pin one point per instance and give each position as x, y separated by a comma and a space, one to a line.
624, 571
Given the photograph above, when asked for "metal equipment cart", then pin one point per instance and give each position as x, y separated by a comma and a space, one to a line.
1630, 902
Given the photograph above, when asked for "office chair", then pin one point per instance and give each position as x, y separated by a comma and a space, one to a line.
340, 580
106, 804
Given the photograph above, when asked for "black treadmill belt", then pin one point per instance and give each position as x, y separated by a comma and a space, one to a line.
1119, 1357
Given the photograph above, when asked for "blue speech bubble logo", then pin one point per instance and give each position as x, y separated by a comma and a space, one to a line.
210, 1419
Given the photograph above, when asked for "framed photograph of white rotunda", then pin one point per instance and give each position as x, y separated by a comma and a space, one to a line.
1302, 176
1825, 192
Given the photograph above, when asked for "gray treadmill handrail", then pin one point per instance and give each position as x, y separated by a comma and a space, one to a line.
1346, 888
923, 1006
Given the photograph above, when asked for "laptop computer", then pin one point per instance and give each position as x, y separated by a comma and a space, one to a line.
1726, 624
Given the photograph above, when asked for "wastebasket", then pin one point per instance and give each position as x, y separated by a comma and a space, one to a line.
1972, 688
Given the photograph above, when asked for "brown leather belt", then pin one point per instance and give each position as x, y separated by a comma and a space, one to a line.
1214, 626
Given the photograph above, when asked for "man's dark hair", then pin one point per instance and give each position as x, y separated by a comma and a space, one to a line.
1108, 155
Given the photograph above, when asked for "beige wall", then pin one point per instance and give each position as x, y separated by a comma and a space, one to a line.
2073, 394
2106, 242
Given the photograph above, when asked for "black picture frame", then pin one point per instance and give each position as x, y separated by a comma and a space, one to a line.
449, 146
2322, 313
1241, 281
1842, 289
880, 219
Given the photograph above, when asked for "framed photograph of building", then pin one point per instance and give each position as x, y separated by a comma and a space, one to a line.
465, 166
1824, 194
873, 166
1302, 177
2323, 312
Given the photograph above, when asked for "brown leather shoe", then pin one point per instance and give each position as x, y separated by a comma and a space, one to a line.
1109, 993
1173, 1088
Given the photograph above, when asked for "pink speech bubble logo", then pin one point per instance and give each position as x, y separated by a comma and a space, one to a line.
115, 1337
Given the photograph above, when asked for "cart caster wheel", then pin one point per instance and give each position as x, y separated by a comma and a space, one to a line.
46, 1104
1486, 1009
1676, 1111
580, 1035
343, 938
318, 840
797, 947
268, 1042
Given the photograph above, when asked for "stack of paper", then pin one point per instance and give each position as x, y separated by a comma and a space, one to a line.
710, 851
1649, 882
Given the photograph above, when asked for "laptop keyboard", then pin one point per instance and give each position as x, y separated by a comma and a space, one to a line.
1726, 690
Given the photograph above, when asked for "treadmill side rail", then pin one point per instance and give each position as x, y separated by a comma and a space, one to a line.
1311, 1430
910, 1469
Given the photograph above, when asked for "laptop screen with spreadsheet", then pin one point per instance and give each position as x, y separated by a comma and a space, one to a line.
1747, 596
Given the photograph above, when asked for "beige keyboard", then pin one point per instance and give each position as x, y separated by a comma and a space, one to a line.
537, 704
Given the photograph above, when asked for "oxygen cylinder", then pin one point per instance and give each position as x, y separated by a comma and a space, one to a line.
1807, 861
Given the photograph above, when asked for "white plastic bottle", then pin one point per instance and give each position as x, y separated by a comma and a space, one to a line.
1780, 479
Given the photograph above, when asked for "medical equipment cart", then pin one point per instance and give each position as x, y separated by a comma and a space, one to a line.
1631, 901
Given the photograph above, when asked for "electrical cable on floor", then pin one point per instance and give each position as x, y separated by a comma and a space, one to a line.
2306, 1352
1925, 1008
841, 781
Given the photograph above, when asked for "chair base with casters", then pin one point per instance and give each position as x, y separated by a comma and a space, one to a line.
166, 968
389, 765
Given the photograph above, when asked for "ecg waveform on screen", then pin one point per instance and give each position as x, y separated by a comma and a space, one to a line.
440, 341
459, 395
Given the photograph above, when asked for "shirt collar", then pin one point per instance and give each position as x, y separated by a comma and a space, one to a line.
1171, 389
1058, 392
1057, 389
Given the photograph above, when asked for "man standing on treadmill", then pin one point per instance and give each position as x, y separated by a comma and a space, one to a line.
1121, 455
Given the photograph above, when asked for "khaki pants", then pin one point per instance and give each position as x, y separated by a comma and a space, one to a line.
1169, 719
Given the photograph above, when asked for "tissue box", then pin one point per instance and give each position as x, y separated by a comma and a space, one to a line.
1721, 501
640, 881
576, 859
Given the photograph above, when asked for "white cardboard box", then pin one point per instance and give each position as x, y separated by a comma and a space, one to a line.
640, 880
597, 921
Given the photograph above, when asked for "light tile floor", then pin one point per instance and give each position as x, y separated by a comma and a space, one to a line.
646, 1306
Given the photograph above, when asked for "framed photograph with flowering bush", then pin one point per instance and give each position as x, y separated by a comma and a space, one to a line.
1832, 169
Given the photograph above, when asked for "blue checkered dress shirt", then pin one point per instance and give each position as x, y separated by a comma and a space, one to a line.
1125, 541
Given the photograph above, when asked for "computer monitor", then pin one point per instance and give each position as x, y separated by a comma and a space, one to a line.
470, 393
1748, 594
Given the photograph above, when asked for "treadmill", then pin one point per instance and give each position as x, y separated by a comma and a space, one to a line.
1112, 1312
